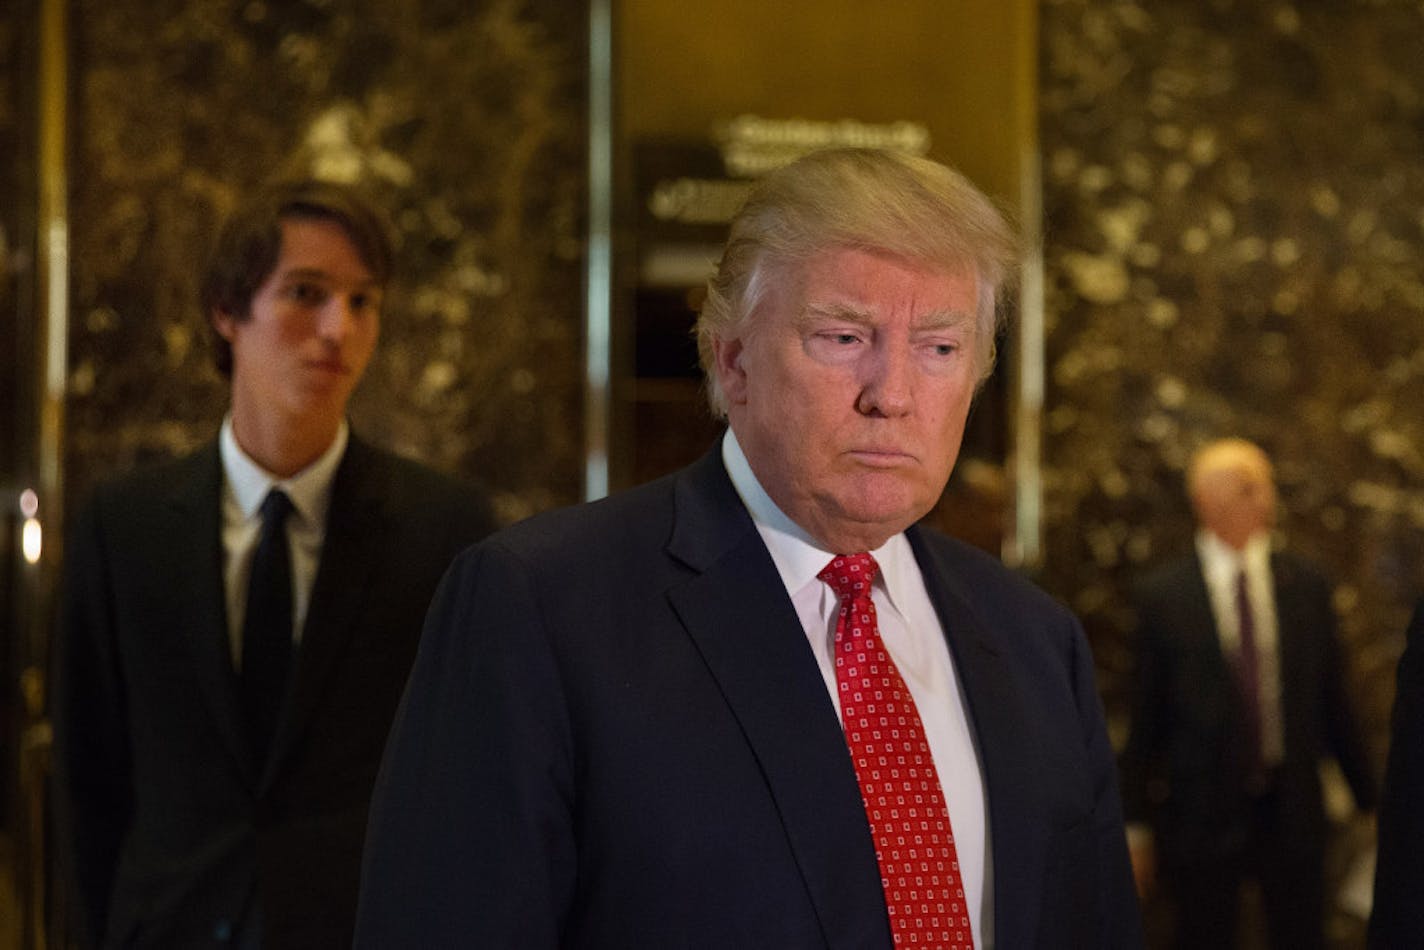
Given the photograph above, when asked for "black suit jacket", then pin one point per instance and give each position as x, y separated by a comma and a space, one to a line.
1186, 739
171, 831
616, 735
1397, 922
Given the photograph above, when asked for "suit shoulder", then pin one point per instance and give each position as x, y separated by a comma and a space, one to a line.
1290, 566
986, 576
417, 478
412, 486
159, 477
636, 519
613, 539
1035, 629
136, 492
1166, 579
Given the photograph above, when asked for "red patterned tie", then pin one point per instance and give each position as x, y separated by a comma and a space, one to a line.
914, 844
1248, 677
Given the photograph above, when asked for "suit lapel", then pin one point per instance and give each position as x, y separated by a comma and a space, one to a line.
1291, 640
356, 533
1012, 773
197, 571
746, 629
1201, 616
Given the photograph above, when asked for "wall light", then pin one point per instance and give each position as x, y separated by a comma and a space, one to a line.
32, 540
31, 533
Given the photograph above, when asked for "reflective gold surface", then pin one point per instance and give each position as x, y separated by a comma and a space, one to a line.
466, 119
1234, 246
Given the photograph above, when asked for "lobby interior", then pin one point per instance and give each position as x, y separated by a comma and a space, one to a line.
1223, 201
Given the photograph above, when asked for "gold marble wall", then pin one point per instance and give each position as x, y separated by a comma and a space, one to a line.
16, 222
1234, 240
1233, 244
466, 117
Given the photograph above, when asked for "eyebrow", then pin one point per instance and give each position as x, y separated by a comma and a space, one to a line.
836, 311
935, 320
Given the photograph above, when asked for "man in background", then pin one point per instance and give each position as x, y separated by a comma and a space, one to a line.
752, 704
237, 625
1397, 920
1240, 695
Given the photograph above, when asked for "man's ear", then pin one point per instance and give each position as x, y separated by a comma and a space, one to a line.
223, 322
727, 357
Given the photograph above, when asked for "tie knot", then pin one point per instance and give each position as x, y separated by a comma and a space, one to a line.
850, 575
275, 508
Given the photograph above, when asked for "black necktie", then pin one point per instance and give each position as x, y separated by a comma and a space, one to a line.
267, 626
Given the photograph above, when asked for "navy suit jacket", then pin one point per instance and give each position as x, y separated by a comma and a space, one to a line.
616, 735
1187, 725
171, 832
1397, 922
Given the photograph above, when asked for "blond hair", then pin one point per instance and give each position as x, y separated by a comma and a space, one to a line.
866, 199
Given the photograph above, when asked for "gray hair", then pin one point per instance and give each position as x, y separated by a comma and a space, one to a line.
868, 199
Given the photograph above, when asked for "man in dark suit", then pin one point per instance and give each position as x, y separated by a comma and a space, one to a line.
217, 737
1240, 696
751, 704
1397, 921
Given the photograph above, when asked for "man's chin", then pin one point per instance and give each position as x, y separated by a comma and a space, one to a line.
887, 497
870, 523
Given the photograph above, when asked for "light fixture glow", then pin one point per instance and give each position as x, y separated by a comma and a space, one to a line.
32, 540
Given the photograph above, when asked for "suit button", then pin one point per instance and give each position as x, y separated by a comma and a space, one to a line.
222, 931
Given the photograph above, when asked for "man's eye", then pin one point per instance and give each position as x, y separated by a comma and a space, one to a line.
307, 293
845, 338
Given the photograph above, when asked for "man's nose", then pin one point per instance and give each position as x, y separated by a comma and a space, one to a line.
888, 388
338, 318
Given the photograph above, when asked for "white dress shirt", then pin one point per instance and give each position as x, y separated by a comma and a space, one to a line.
911, 631
245, 486
1221, 565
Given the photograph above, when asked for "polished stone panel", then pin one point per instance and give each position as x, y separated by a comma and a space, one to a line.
15, 470
466, 118
17, 274
1235, 246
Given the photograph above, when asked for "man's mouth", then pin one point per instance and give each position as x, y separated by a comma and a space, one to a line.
881, 456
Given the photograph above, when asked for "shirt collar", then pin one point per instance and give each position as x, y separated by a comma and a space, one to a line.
309, 489
1220, 559
798, 558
